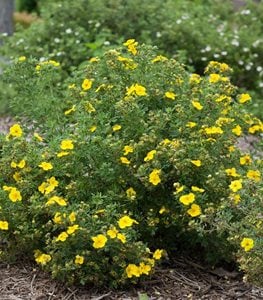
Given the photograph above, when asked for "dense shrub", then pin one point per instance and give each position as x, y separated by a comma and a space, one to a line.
209, 30
142, 157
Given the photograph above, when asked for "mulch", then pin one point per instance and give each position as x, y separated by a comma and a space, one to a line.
182, 279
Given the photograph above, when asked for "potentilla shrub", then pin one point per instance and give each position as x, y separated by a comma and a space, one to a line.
142, 162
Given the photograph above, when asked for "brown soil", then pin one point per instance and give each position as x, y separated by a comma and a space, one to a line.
184, 280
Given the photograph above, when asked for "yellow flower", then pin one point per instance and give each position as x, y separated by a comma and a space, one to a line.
214, 78
187, 199
132, 270
116, 127
159, 58
163, 210
86, 84
232, 172
213, 130
43, 259
243, 98
247, 244
62, 237
57, 218
131, 45
69, 111
99, 241
45, 166
231, 148
126, 221
136, 89
197, 189
197, 105
22, 58
15, 131
195, 78
79, 260
254, 175
66, 145
124, 160
191, 124
235, 185
89, 107
72, 86
62, 153
72, 217
15, 195
20, 165
145, 269
17, 176
38, 137
245, 160
157, 254
154, 177
131, 193
194, 211
150, 155
237, 130
55, 199
196, 162
3, 225
127, 149
121, 237
93, 128
170, 95
112, 233
235, 197
72, 229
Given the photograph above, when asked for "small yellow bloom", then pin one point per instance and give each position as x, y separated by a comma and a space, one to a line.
55, 199
99, 241
89, 108
57, 218
247, 244
136, 89
187, 199
15, 131
195, 79
116, 127
121, 237
150, 155
170, 95
69, 111
213, 130
4, 225
22, 58
38, 137
124, 160
245, 160
17, 176
196, 162
62, 153
127, 149
191, 124
194, 211
145, 269
46, 166
14, 195
235, 185
43, 259
62, 237
126, 221
232, 172
197, 105
254, 175
159, 58
79, 260
72, 217
214, 78
131, 193
112, 233
133, 270
157, 254
93, 128
72, 229
86, 84
243, 98
197, 189
66, 145
154, 177
237, 130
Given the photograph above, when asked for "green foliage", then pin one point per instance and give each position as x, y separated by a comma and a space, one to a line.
28, 5
71, 32
139, 147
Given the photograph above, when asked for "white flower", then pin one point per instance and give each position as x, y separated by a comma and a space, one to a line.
68, 31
